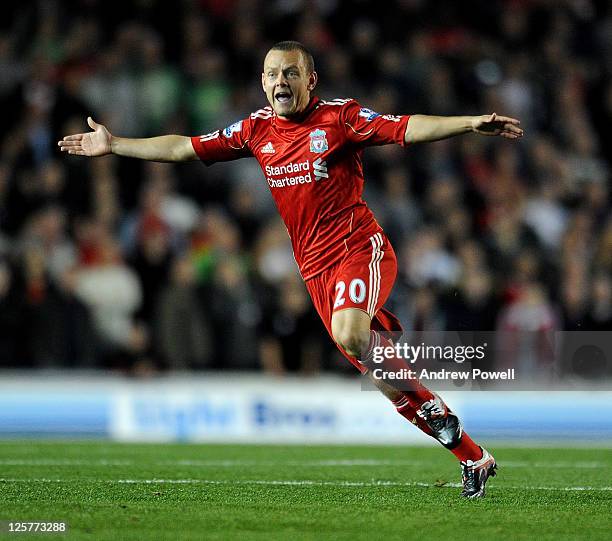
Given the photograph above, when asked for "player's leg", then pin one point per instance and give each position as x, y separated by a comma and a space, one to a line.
352, 331
361, 286
400, 402
358, 324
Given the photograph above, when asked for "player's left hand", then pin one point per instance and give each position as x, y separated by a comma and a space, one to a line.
497, 125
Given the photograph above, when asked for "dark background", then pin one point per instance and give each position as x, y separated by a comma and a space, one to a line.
140, 267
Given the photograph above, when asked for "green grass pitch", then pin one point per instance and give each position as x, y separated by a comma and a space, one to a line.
140, 492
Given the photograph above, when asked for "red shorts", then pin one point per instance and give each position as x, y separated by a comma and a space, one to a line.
362, 279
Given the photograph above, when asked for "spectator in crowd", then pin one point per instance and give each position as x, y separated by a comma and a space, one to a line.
291, 332
526, 331
599, 316
113, 294
11, 319
182, 330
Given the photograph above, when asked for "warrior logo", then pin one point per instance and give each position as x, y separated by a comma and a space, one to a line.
318, 141
320, 169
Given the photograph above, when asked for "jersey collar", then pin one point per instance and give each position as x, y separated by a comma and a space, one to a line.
290, 122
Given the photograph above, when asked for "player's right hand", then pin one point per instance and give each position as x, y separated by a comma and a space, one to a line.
94, 143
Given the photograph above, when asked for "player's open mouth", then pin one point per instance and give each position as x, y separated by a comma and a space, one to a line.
282, 97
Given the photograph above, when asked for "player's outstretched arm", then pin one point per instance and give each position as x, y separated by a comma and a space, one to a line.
99, 142
424, 128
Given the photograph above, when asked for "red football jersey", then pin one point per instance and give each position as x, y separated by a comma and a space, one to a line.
313, 168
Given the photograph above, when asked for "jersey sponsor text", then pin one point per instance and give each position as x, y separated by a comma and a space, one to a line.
293, 167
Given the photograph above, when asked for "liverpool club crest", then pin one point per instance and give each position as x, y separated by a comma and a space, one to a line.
318, 141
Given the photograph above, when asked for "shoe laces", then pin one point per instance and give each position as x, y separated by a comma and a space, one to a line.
468, 476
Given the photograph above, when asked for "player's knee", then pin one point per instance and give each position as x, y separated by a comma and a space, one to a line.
351, 331
352, 341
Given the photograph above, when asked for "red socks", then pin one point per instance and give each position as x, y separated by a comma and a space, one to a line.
467, 448
404, 408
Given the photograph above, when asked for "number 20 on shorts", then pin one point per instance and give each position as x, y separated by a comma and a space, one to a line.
356, 292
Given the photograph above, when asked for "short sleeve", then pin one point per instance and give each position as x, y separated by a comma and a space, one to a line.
365, 127
224, 145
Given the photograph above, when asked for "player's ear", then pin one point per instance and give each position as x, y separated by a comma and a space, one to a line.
313, 78
263, 82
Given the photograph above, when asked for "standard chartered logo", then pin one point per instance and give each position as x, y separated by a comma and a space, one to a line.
288, 176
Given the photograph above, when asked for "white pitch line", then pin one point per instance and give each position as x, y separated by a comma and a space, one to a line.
292, 463
302, 482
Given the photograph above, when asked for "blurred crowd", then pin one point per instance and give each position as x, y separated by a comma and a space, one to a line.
127, 265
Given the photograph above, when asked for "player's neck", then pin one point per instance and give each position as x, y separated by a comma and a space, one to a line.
300, 116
